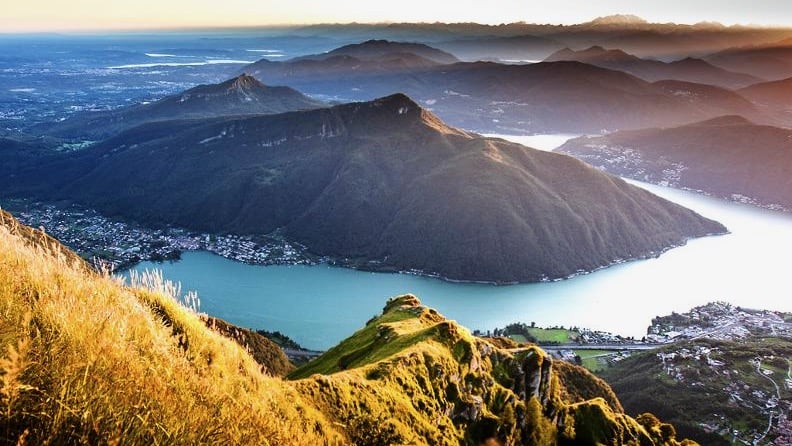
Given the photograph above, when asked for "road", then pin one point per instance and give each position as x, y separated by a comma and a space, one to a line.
294, 353
772, 412
620, 347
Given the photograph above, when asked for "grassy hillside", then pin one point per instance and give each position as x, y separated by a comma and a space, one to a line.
411, 376
87, 360
712, 391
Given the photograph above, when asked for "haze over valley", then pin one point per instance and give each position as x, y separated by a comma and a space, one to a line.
514, 202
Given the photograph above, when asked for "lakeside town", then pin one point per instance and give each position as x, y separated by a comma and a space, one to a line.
720, 321
117, 244
717, 321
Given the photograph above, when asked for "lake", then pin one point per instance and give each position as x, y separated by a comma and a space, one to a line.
320, 305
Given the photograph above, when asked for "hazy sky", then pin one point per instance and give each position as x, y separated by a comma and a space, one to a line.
51, 15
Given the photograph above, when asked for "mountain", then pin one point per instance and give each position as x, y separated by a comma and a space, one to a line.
666, 41
776, 95
770, 62
688, 69
521, 48
725, 384
18, 150
158, 374
711, 101
242, 95
378, 49
728, 157
369, 58
618, 20
557, 97
379, 185
594, 55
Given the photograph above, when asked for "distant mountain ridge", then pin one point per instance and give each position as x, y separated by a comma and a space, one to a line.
376, 49
688, 69
770, 62
241, 95
618, 19
729, 157
774, 95
472, 41
552, 97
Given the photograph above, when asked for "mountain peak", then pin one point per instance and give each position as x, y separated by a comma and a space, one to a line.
243, 82
377, 42
618, 19
402, 106
397, 101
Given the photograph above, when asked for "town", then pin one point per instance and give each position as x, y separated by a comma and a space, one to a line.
720, 321
116, 244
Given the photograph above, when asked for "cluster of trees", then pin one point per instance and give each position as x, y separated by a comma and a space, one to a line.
281, 339
515, 328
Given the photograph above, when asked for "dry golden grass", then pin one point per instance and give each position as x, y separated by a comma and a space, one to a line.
86, 360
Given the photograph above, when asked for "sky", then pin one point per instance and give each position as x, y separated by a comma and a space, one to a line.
77, 15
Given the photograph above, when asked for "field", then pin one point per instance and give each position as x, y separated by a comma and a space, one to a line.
547, 335
595, 360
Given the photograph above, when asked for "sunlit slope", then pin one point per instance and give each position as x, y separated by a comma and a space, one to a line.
86, 360
410, 376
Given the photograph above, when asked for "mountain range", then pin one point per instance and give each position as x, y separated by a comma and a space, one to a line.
473, 41
728, 157
688, 69
775, 96
550, 97
382, 185
378, 49
766, 61
242, 95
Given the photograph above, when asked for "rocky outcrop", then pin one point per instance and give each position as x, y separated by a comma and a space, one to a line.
411, 376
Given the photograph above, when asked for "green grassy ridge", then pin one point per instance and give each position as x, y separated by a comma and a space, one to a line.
461, 389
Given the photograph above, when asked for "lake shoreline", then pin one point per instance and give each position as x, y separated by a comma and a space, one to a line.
339, 263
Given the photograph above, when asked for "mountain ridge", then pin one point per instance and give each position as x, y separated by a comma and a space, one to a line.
381, 185
730, 157
547, 97
241, 95
378, 48
689, 69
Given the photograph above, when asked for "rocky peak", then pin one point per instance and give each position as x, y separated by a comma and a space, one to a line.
243, 82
